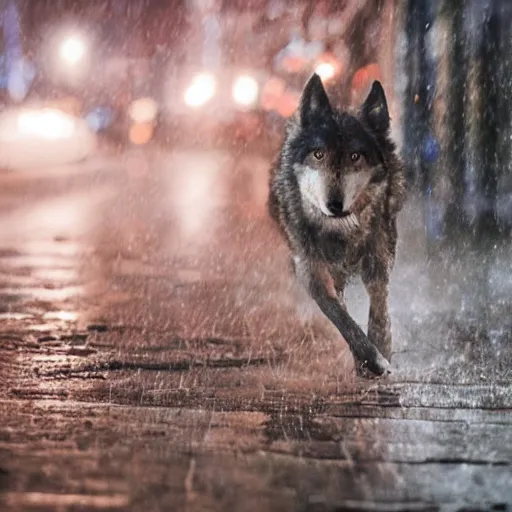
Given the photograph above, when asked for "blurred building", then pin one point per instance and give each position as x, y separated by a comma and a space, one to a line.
457, 100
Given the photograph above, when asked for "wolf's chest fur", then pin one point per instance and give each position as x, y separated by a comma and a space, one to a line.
339, 253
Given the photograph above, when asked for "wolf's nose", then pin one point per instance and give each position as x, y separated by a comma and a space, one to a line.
335, 207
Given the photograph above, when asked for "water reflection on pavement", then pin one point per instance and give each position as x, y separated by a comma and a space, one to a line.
157, 354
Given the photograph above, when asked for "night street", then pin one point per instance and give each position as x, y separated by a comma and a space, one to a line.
154, 350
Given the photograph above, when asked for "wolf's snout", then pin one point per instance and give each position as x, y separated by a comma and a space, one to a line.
336, 208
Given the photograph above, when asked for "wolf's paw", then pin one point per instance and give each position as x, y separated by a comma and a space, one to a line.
375, 367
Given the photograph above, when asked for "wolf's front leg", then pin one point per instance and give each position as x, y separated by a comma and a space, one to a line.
318, 281
379, 325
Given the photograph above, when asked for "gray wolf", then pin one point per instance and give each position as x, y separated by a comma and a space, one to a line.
335, 191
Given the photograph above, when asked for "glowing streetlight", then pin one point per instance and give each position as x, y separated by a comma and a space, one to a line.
72, 50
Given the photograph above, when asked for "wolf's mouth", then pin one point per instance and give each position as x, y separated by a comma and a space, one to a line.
349, 221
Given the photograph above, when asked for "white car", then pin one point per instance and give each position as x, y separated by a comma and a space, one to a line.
41, 137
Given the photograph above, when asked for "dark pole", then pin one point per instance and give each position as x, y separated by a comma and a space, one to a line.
455, 147
495, 121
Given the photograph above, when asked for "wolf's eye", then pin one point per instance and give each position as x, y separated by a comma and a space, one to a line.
355, 157
318, 154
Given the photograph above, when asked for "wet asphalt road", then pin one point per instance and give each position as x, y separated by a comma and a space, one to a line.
156, 355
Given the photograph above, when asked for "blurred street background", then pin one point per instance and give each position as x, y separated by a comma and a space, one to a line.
155, 352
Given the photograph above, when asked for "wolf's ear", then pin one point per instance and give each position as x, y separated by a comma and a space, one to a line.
313, 101
374, 111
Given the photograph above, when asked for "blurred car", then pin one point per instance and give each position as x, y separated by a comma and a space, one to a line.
201, 106
77, 76
42, 136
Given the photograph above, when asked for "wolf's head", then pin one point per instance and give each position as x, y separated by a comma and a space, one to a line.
335, 154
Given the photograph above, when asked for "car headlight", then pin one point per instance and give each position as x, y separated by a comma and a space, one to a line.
45, 124
245, 90
201, 90
72, 50
325, 70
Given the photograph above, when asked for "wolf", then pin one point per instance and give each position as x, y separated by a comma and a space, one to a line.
335, 191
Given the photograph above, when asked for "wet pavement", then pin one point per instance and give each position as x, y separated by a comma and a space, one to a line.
155, 354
